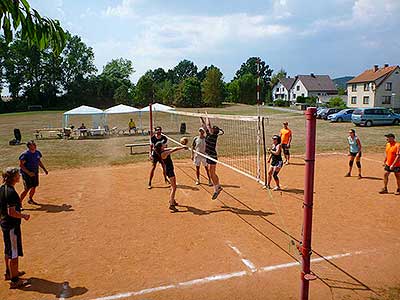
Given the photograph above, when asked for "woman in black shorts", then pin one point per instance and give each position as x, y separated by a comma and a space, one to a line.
354, 152
212, 133
165, 155
275, 158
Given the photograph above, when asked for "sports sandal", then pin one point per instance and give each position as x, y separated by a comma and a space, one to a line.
216, 193
8, 277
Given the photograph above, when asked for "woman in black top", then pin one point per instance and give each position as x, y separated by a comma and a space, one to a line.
275, 158
10, 220
211, 144
165, 154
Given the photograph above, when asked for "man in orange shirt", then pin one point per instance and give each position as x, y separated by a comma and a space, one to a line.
391, 162
286, 137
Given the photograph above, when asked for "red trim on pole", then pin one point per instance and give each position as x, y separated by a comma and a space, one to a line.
308, 199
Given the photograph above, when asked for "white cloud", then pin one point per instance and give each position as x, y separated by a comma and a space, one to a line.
125, 9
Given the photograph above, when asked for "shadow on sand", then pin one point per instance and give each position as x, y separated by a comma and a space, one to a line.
48, 287
51, 208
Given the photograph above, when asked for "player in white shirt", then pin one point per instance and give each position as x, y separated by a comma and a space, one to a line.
199, 145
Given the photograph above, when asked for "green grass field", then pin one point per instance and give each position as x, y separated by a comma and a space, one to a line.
60, 153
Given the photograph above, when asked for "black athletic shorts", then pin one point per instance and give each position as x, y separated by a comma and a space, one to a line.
354, 154
285, 149
12, 242
155, 158
211, 162
30, 182
169, 172
395, 169
277, 163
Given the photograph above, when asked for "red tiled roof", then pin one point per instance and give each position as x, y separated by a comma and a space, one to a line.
372, 75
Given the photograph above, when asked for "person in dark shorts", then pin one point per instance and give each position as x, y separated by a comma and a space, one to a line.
391, 163
29, 163
165, 154
10, 220
157, 137
212, 133
354, 152
286, 138
275, 159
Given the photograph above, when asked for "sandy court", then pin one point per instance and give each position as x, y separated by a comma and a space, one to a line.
102, 230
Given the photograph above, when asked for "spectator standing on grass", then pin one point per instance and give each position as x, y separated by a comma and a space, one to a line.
391, 163
158, 137
199, 145
354, 152
29, 163
286, 138
10, 220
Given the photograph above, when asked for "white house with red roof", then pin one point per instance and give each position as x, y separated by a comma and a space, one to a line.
376, 87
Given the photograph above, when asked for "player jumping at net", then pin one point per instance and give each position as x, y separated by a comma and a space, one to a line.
164, 154
275, 158
212, 133
199, 146
158, 137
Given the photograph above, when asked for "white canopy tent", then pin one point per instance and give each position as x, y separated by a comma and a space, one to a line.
157, 107
97, 115
121, 109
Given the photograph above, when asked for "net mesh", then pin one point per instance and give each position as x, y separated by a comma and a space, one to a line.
240, 148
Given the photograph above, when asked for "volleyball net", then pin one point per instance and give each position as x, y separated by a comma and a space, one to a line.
241, 147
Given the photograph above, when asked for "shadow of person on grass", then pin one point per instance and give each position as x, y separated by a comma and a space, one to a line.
51, 208
200, 212
45, 286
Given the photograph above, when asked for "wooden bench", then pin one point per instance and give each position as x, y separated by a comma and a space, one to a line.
136, 145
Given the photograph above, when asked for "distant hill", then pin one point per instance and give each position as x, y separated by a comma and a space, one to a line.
341, 81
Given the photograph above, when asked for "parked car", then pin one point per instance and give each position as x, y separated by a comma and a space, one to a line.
374, 116
342, 116
320, 111
329, 111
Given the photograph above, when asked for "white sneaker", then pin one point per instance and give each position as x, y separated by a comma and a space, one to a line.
277, 188
197, 182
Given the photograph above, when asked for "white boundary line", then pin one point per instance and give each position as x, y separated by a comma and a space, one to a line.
221, 277
245, 261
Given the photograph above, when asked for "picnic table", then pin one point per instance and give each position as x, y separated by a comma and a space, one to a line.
43, 133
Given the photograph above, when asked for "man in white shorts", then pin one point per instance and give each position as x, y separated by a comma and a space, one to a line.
199, 145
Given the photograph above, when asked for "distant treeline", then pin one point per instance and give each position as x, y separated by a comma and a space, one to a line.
36, 77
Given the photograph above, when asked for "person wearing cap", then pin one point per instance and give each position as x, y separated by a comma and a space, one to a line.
354, 152
154, 157
391, 163
199, 146
212, 133
29, 163
275, 158
286, 137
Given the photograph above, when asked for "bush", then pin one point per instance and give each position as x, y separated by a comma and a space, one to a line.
337, 102
281, 103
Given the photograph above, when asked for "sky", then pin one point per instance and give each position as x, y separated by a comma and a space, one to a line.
333, 37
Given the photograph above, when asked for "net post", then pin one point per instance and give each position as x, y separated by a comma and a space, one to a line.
308, 200
264, 151
258, 122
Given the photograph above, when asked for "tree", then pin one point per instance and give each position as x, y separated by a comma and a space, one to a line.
121, 95
336, 102
250, 67
233, 90
183, 70
213, 88
158, 75
275, 78
247, 89
165, 92
119, 69
38, 31
144, 93
189, 93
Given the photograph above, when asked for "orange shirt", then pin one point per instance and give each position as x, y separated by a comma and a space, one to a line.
392, 150
285, 135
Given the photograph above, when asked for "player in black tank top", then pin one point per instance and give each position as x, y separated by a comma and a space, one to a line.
165, 155
275, 158
211, 150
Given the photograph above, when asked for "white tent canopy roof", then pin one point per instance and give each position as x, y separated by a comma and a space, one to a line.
84, 110
121, 109
157, 107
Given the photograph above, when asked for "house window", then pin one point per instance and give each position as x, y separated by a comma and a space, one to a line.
353, 100
294, 96
366, 87
354, 87
386, 99
298, 88
302, 94
366, 100
388, 86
